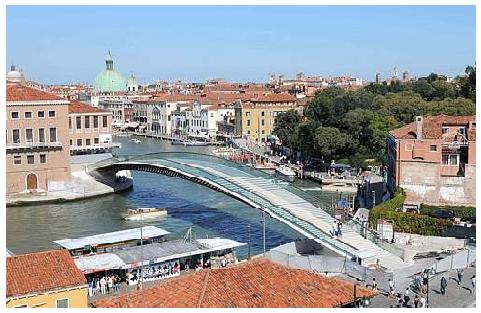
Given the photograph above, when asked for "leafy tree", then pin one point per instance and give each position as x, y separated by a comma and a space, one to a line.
285, 128
329, 142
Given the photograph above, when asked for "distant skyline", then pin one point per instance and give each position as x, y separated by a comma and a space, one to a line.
68, 44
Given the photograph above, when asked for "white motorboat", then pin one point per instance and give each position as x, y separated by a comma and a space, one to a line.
224, 152
135, 140
286, 173
144, 213
196, 143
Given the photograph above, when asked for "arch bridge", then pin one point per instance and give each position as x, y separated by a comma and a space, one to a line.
280, 200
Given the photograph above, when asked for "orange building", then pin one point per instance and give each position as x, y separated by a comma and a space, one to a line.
38, 154
47, 279
434, 160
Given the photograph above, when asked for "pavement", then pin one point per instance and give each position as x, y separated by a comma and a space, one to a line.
81, 186
457, 296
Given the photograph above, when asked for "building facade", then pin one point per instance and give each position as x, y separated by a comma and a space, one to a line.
258, 115
47, 279
434, 160
90, 129
37, 144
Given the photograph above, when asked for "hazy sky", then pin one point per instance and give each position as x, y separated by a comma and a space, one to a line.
65, 44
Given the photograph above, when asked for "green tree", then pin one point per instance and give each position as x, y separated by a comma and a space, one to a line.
285, 127
329, 142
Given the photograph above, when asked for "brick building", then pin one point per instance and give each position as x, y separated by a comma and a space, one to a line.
89, 129
38, 153
434, 160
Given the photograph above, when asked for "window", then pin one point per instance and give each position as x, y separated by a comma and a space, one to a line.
29, 135
87, 121
96, 122
248, 113
450, 159
248, 122
39, 305
433, 148
96, 140
262, 113
16, 136
14, 115
445, 130
70, 123
41, 135
104, 121
28, 114
62, 303
41, 114
263, 132
30, 159
71, 142
262, 122
79, 142
17, 159
43, 158
51, 113
248, 132
409, 147
53, 134
21, 306
87, 142
78, 122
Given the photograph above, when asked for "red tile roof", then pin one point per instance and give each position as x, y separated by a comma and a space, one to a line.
274, 97
17, 92
79, 107
42, 271
433, 125
256, 284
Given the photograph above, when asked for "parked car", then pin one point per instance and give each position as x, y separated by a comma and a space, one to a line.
442, 213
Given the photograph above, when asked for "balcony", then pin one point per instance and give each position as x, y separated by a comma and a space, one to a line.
33, 146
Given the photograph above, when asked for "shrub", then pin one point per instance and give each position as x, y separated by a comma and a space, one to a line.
459, 211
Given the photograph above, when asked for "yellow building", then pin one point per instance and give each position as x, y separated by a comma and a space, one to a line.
258, 115
45, 280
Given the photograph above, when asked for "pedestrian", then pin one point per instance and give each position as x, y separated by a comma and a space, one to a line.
334, 229
460, 276
103, 284
473, 282
97, 285
416, 301
444, 284
406, 298
422, 302
339, 226
374, 284
391, 287
399, 301
91, 288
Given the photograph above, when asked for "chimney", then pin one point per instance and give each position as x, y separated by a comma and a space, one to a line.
419, 127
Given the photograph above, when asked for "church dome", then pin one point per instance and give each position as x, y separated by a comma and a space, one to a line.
15, 76
109, 80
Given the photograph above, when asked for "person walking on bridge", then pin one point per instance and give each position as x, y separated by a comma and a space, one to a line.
460, 276
444, 284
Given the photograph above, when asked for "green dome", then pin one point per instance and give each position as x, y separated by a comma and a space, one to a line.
109, 80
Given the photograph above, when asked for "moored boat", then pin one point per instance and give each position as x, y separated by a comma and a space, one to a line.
135, 140
144, 213
286, 173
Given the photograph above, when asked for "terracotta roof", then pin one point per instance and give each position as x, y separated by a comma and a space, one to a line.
79, 107
255, 284
432, 127
274, 97
17, 92
42, 271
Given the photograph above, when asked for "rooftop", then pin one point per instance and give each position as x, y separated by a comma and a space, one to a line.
113, 237
76, 107
17, 92
432, 127
253, 284
42, 271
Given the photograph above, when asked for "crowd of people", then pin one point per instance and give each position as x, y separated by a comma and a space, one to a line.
104, 285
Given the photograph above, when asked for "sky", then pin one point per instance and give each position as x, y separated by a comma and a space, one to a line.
68, 44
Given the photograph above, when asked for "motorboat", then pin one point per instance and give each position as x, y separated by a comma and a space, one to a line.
177, 141
224, 152
286, 173
144, 213
135, 140
195, 143
265, 166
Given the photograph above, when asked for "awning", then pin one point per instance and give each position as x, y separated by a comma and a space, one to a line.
98, 262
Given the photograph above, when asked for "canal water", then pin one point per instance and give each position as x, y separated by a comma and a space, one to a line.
208, 213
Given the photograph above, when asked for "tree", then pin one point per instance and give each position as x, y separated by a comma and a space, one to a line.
329, 142
380, 127
285, 128
356, 122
